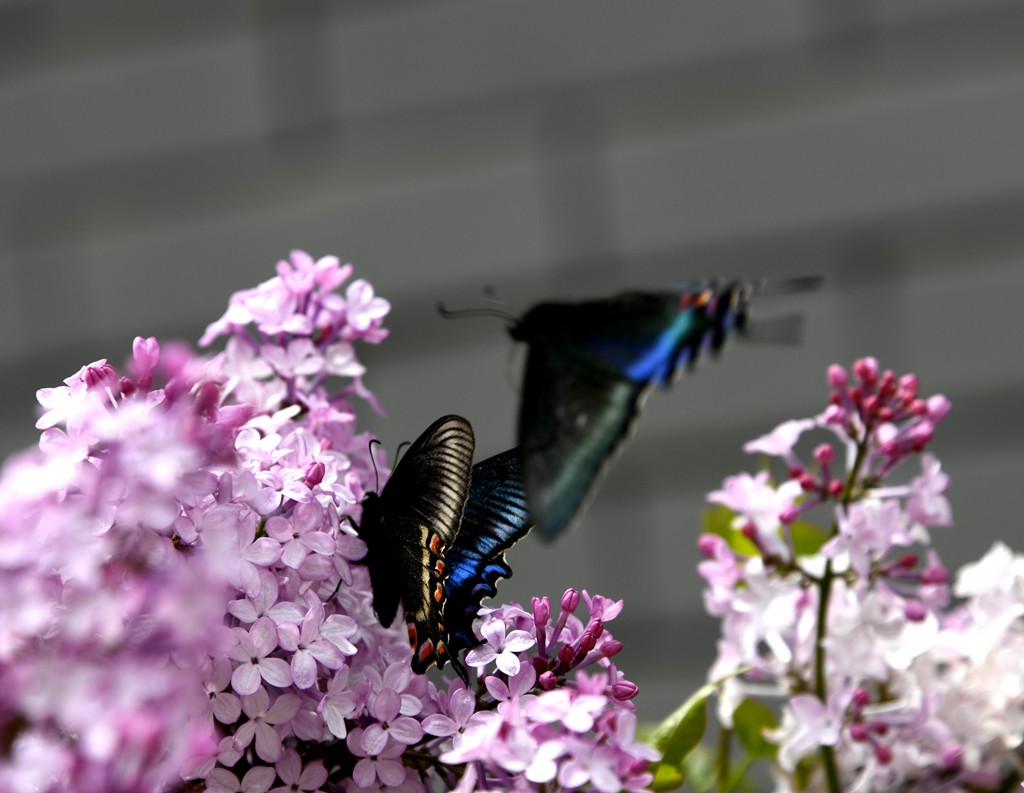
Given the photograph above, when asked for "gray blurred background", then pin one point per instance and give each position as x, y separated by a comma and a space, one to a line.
155, 157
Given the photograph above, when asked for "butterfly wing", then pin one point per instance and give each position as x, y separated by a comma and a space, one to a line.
589, 368
408, 528
495, 518
572, 418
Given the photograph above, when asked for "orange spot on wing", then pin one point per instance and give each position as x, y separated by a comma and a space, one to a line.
435, 544
438, 592
426, 651
439, 568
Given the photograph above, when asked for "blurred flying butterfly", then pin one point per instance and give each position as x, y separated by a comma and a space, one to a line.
436, 537
589, 368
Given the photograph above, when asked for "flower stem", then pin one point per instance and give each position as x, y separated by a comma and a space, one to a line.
722, 760
828, 757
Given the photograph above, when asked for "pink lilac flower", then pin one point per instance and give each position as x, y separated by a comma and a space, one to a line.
383, 765
296, 777
499, 648
262, 718
240, 649
892, 689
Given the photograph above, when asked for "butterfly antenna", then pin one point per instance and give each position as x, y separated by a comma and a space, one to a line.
401, 448
373, 461
773, 287
475, 312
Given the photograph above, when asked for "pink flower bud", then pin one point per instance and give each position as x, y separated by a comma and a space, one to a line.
99, 375
935, 575
789, 515
611, 647
861, 697
866, 370
859, 731
883, 754
835, 488
938, 407
708, 544
887, 385
145, 353
624, 690
915, 611
570, 600
541, 611
837, 376
834, 414
207, 399
315, 473
824, 454
921, 435
808, 483
547, 681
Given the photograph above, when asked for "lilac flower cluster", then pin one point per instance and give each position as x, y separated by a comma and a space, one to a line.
884, 686
534, 729
184, 598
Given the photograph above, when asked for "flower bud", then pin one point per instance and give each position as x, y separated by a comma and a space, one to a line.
570, 600
624, 690
866, 370
99, 375
824, 453
938, 407
541, 611
315, 473
808, 483
547, 680
837, 376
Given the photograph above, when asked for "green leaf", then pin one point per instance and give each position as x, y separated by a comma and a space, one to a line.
750, 720
681, 731
700, 770
718, 520
807, 537
666, 778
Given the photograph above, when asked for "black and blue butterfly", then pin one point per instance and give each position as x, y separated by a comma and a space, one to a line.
589, 368
436, 538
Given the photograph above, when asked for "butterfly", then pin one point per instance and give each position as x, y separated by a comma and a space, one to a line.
436, 538
589, 367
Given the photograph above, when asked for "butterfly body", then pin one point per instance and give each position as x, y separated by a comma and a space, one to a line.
589, 368
436, 542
